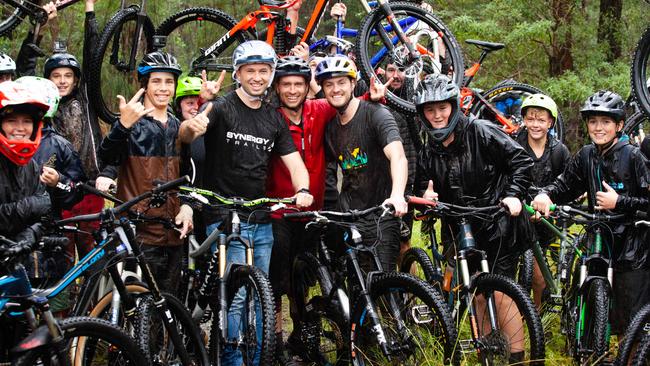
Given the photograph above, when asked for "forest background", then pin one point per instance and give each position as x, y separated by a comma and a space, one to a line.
568, 48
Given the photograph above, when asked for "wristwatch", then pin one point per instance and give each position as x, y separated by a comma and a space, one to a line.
303, 190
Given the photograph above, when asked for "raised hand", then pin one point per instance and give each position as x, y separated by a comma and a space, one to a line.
430, 194
131, 112
377, 89
301, 50
210, 88
338, 11
606, 200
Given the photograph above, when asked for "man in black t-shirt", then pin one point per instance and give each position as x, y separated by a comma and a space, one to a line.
241, 132
364, 141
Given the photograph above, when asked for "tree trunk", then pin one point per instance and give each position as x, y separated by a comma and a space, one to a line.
561, 56
609, 20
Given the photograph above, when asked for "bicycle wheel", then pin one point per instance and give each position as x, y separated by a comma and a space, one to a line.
633, 125
323, 333
423, 334
525, 270
426, 32
191, 31
11, 16
642, 355
639, 72
417, 262
638, 327
596, 325
90, 341
507, 97
157, 344
251, 288
524, 341
112, 70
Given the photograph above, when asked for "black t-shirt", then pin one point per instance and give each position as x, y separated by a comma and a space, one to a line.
358, 149
238, 146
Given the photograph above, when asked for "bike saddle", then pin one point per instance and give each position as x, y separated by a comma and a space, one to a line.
273, 3
486, 46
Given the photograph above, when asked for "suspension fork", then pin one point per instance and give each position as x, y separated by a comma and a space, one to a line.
390, 16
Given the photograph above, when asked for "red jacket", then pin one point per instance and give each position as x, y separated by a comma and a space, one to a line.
309, 140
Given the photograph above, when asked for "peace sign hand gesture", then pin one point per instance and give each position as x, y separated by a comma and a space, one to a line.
131, 112
377, 89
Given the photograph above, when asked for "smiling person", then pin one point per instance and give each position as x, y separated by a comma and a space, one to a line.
549, 155
615, 175
144, 144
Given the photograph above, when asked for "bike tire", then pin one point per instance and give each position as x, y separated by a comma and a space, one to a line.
596, 318
257, 288
424, 267
157, 344
201, 26
486, 284
642, 355
500, 97
431, 343
83, 333
525, 270
368, 44
107, 80
632, 122
11, 17
639, 72
324, 337
639, 324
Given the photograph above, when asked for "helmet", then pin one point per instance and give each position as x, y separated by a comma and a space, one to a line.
58, 60
438, 88
7, 64
604, 102
14, 97
48, 89
188, 86
540, 101
158, 62
334, 66
293, 65
254, 52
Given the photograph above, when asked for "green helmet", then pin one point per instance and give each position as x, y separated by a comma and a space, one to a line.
188, 86
46, 88
540, 101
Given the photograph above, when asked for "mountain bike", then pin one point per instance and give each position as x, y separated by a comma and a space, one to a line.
475, 293
502, 103
394, 318
163, 327
75, 340
13, 12
224, 283
126, 38
639, 72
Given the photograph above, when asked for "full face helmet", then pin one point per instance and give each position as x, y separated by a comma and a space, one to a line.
47, 88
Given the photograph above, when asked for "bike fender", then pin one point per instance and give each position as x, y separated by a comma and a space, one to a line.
38, 338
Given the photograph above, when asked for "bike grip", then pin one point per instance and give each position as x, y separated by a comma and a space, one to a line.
531, 210
420, 201
55, 241
298, 215
171, 184
641, 215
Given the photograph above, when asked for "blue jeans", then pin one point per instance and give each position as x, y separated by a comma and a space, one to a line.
262, 237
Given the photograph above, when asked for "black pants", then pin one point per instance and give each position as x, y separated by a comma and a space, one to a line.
165, 265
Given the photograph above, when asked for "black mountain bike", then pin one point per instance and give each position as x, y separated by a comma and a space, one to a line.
394, 318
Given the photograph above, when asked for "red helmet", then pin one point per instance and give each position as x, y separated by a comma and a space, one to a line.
15, 98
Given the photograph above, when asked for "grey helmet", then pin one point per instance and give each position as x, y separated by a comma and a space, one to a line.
604, 102
293, 65
254, 52
438, 88
158, 61
7, 64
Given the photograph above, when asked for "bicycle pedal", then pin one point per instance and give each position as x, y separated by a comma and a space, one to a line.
421, 314
466, 345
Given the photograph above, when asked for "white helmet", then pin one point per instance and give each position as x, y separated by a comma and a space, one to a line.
7, 64
254, 52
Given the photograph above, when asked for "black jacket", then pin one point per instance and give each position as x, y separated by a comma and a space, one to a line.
625, 169
57, 153
23, 198
480, 167
547, 167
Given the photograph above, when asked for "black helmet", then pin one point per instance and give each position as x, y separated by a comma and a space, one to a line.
438, 88
604, 102
292, 65
158, 61
58, 60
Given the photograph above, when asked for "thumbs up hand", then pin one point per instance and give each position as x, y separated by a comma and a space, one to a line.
199, 124
606, 200
430, 194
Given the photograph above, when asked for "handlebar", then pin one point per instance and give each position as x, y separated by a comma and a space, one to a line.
203, 196
351, 215
443, 208
128, 204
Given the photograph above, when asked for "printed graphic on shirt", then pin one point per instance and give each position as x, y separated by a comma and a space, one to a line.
246, 140
617, 186
353, 160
